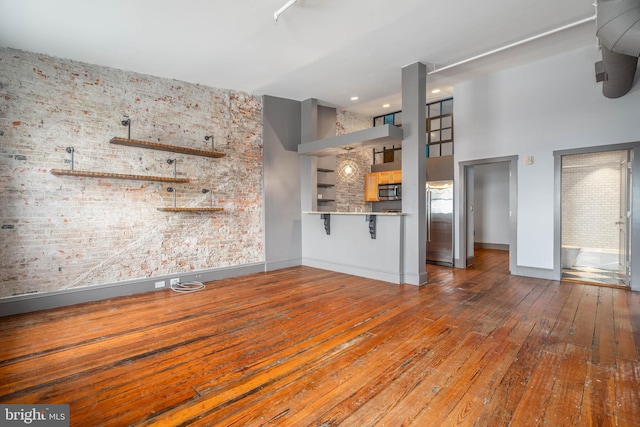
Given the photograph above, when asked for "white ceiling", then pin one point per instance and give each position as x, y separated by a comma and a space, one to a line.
325, 49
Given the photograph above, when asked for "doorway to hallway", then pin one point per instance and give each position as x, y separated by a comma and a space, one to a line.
506, 168
596, 217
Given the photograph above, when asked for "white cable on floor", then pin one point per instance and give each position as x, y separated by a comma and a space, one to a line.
187, 287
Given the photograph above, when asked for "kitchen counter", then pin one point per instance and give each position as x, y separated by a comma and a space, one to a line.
366, 244
355, 213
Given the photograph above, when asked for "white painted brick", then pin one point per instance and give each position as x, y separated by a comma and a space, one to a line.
591, 201
100, 231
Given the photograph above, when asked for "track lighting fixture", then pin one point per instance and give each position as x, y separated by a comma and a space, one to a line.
280, 11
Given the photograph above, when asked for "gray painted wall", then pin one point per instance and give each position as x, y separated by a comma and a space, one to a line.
532, 110
491, 203
440, 168
282, 226
326, 122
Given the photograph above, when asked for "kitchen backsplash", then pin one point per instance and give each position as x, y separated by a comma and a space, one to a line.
350, 195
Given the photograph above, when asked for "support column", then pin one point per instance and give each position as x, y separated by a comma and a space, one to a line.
414, 176
308, 164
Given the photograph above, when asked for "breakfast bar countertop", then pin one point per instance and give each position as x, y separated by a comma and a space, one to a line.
355, 213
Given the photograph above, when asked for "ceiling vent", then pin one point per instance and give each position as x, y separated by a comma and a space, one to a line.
618, 28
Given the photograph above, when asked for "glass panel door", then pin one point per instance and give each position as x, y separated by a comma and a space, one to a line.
595, 220
624, 220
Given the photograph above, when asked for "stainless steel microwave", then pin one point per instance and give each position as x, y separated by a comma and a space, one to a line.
389, 192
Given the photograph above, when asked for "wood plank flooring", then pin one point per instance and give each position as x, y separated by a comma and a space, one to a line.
307, 347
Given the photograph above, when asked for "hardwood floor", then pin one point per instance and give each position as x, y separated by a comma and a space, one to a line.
303, 346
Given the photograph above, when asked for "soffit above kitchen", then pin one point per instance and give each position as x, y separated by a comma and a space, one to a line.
371, 138
331, 50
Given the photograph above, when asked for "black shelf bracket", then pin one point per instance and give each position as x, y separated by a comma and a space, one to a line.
371, 219
209, 137
126, 122
71, 150
327, 222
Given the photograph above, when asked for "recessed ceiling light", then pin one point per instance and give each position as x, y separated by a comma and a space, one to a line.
386, 105
435, 91
354, 98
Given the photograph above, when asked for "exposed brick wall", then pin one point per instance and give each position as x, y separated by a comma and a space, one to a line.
350, 195
65, 232
347, 122
591, 200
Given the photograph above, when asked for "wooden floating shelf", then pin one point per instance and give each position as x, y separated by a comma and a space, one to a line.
92, 174
190, 209
165, 147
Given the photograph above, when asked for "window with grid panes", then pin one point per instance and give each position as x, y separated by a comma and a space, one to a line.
439, 126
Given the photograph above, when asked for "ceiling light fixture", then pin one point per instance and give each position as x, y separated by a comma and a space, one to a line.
354, 98
386, 105
280, 11
348, 170
435, 91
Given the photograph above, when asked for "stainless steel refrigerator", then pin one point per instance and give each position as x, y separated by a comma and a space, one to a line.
440, 222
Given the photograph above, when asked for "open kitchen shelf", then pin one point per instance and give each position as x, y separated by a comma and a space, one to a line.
92, 174
165, 147
326, 184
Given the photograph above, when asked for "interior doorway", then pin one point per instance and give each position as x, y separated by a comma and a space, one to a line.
467, 220
596, 217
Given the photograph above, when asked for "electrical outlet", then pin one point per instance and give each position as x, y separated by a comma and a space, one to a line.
174, 281
160, 284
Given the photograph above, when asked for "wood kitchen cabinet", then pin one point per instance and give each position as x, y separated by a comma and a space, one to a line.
373, 179
389, 177
371, 187
384, 177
